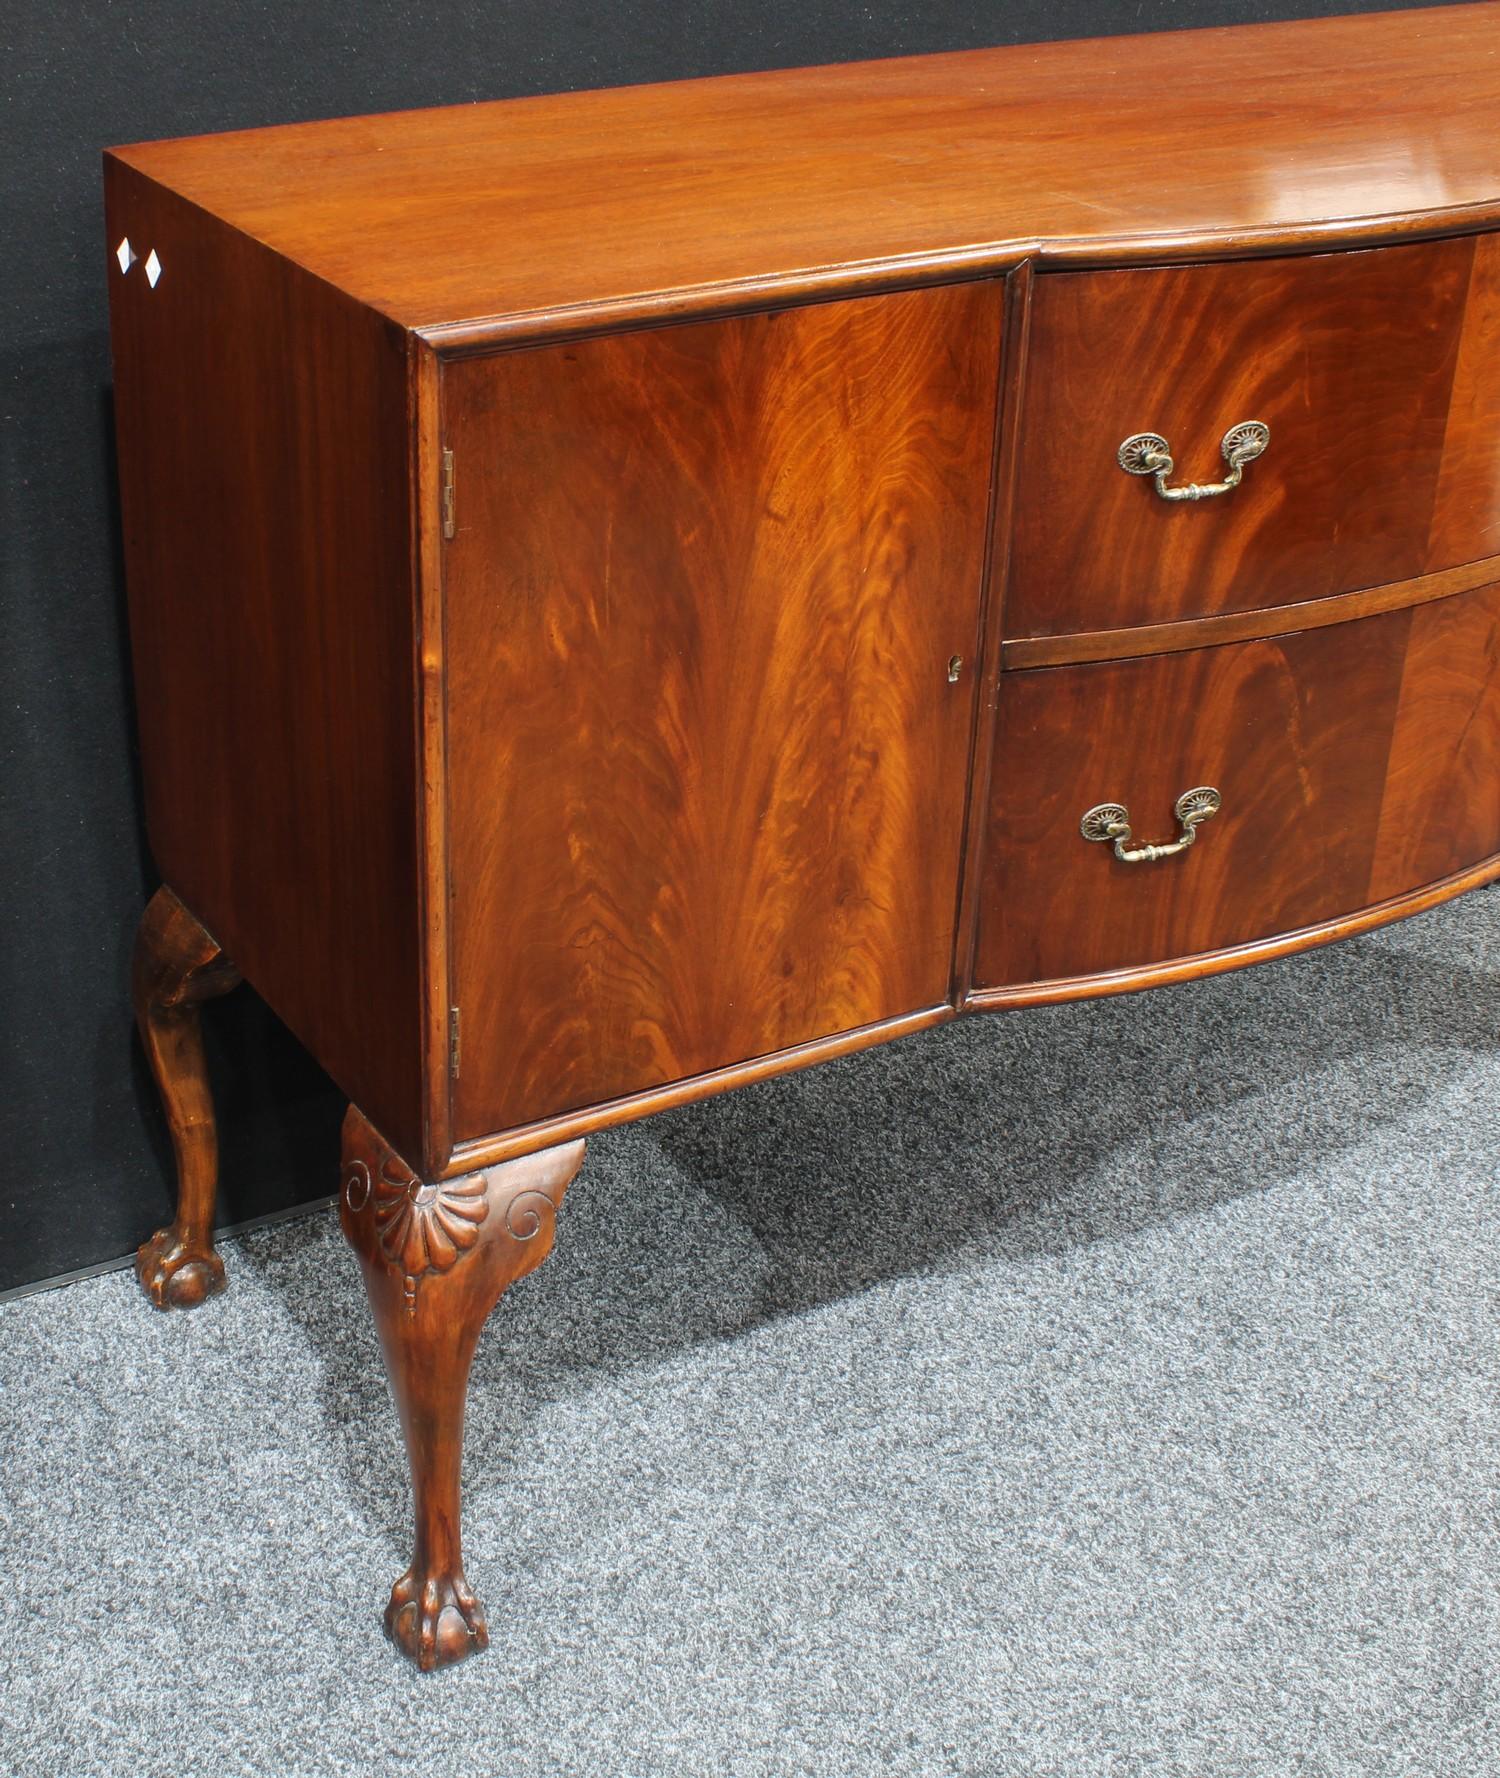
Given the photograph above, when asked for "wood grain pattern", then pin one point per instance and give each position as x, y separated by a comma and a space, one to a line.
1355, 763
263, 448
706, 767
1441, 804
601, 208
1348, 358
1466, 514
1245, 626
436, 1259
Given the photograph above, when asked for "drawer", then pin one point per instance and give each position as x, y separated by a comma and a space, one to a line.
1355, 763
1377, 374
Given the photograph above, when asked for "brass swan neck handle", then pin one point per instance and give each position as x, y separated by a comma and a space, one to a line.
1148, 453
1111, 821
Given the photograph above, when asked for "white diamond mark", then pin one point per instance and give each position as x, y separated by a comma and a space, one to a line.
153, 268
125, 253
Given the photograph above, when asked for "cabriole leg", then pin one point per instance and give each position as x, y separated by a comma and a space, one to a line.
177, 966
436, 1259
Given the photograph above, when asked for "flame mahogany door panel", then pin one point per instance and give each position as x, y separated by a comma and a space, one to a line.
1377, 373
706, 765
1356, 763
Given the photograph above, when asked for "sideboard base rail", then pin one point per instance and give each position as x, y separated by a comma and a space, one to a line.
490, 1151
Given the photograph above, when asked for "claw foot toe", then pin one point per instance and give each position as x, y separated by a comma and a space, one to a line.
435, 1620
178, 1274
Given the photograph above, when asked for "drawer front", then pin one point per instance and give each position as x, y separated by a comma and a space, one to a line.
707, 762
1377, 374
1354, 763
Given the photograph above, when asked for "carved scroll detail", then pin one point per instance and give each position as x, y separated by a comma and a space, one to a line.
526, 1214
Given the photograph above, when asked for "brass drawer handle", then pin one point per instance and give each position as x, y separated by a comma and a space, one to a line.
1111, 821
1148, 453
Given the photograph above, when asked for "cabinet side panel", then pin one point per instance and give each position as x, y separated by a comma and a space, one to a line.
706, 759
264, 472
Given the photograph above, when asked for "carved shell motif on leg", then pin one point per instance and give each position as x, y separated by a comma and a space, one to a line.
424, 1228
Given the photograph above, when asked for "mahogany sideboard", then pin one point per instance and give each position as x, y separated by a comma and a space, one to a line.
632, 592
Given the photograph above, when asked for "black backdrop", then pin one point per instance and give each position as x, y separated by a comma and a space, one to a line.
84, 1162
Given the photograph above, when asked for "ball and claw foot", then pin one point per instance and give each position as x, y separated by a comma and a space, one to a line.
435, 1619
177, 1273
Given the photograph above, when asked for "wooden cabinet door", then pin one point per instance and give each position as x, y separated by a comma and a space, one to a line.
706, 764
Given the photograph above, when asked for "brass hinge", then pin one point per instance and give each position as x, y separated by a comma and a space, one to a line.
453, 1041
450, 528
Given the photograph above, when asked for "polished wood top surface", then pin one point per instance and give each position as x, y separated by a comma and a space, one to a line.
528, 216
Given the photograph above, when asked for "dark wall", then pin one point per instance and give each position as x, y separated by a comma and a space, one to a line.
86, 1164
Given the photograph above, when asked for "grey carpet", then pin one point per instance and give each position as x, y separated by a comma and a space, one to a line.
1101, 1390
